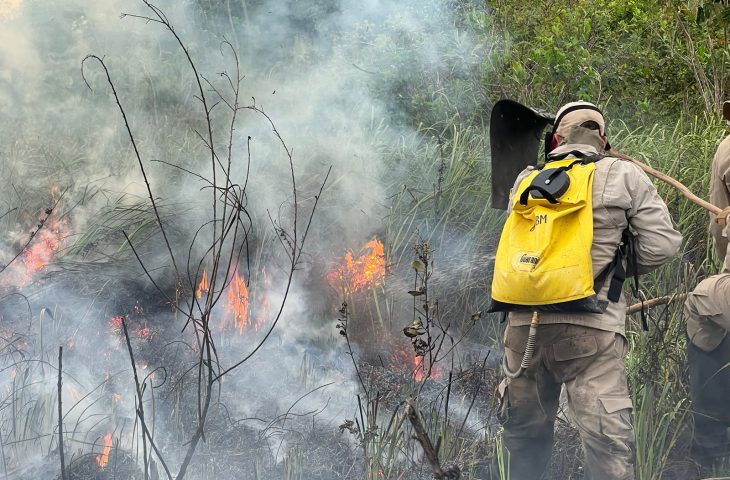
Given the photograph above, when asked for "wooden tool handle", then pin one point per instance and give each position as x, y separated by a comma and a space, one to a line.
671, 181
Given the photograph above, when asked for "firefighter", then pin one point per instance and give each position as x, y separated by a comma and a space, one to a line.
585, 352
707, 310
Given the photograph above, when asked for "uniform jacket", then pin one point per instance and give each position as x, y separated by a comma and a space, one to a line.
622, 195
720, 192
708, 306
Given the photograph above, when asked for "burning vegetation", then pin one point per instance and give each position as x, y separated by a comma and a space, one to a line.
352, 274
181, 318
103, 458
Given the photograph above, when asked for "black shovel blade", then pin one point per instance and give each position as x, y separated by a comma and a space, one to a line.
515, 133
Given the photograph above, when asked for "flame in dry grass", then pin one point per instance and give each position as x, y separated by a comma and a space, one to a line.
144, 333
203, 286
44, 240
103, 458
49, 235
405, 359
47, 242
238, 302
366, 271
115, 324
419, 370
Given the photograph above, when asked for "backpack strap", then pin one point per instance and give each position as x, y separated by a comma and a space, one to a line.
536, 188
625, 251
633, 268
584, 158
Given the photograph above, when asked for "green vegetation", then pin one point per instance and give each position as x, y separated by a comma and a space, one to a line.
651, 57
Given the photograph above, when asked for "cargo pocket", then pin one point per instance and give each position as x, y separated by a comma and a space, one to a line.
620, 346
573, 355
575, 347
616, 423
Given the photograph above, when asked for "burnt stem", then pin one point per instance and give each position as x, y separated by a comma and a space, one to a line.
60, 414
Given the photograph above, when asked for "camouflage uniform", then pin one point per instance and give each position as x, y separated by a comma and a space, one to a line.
585, 352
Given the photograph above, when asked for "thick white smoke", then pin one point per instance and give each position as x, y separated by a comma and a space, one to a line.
331, 75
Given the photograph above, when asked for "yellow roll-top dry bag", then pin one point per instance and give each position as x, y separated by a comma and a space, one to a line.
543, 260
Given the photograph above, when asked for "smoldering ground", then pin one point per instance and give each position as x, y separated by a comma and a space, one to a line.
332, 76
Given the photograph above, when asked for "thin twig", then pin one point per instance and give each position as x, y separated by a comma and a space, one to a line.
60, 414
136, 151
140, 405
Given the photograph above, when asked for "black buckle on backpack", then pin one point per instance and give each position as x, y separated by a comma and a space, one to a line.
626, 250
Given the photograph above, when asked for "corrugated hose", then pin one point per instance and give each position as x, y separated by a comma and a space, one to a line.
529, 350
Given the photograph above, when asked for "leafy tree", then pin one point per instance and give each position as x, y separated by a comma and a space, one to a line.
652, 57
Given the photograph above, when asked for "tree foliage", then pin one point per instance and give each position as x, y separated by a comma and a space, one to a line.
649, 56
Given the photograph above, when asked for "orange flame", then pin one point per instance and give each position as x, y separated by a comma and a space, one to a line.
202, 286
239, 306
47, 238
405, 360
238, 302
103, 458
115, 324
47, 242
420, 370
366, 271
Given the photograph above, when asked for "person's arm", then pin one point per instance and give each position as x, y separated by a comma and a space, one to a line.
657, 241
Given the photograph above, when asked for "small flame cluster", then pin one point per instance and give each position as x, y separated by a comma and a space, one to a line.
355, 274
42, 250
102, 460
405, 359
238, 315
238, 302
115, 326
203, 286
46, 240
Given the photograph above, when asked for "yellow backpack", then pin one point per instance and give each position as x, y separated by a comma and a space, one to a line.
543, 260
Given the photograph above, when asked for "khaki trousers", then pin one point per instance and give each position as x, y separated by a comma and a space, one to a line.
590, 363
